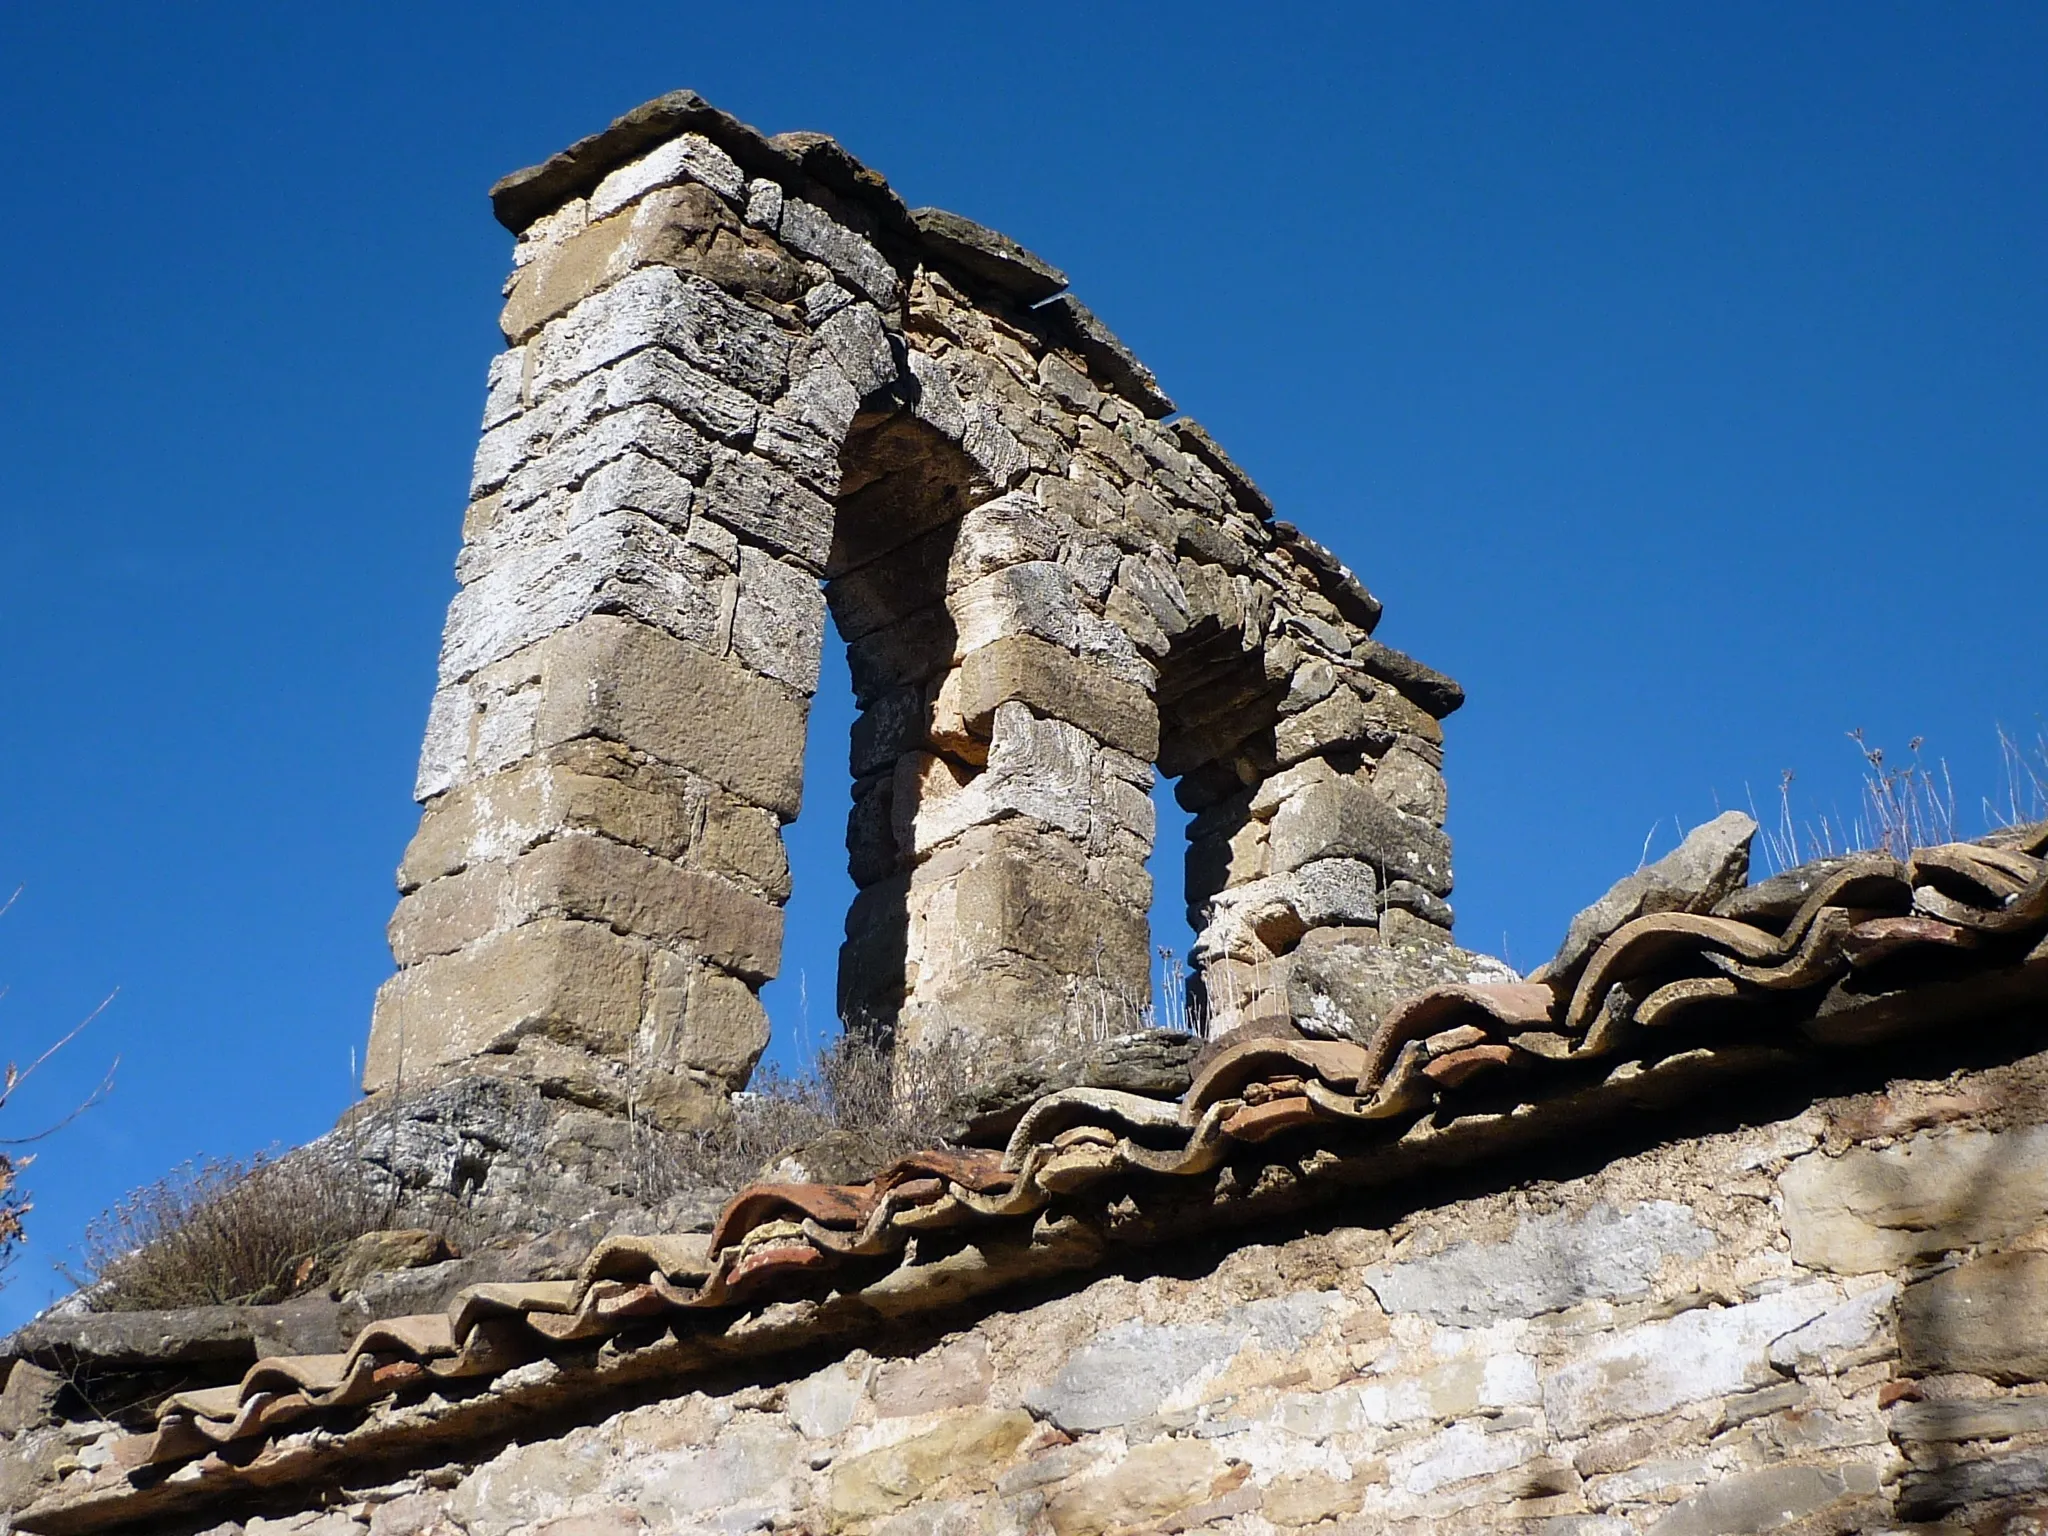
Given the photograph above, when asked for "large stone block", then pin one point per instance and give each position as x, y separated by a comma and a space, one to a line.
597, 787
1009, 902
765, 503
1640, 1372
624, 682
577, 982
705, 1019
1340, 818
686, 156
658, 306
593, 879
1039, 597
624, 563
1052, 681
778, 622
1769, 1497
1875, 1209
579, 787
1986, 1317
1549, 1262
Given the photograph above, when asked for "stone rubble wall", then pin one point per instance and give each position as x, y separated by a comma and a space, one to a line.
1834, 1322
724, 407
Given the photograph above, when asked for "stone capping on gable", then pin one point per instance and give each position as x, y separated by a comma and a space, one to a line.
1843, 955
986, 258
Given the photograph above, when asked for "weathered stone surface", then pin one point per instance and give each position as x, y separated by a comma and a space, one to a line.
1132, 1370
592, 879
1152, 1482
1008, 903
688, 155
1988, 1317
1930, 1494
966, 1448
1875, 1208
1654, 1367
1196, 439
1407, 896
1341, 982
528, 195
1712, 862
625, 564
1765, 1499
1154, 1062
105, 1340
957, 1376
764, 503
376, 1253
658, 306
1550, 1262
1108, 359
811, 231
624, 682
1344, 819
1027, 670
459, 1005
988, 257
29, 1398
1952, 1420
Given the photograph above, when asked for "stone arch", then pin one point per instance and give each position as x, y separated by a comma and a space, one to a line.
743, 382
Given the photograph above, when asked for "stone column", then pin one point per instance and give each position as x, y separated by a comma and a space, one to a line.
596, 887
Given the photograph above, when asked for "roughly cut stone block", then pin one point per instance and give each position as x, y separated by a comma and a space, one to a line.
594, 879
692, 317
768, 505
1874, 1209
778, 624
706, 1019
1640, 1372
808, 229
626, 563
1987, 1317
1006, 902
1340, 818
1024, 669
624, 682
1038, 598
990, 257
1767, 1498
1108, 359
576, 981
1551, 1262
969, 1448
1153, 1481
686, 155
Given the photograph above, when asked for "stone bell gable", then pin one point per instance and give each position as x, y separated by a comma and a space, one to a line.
745, 385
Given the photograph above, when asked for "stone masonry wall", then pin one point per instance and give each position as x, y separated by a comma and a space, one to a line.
742, 384
1833, 1322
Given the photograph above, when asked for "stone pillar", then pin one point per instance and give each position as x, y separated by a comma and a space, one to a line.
596, 887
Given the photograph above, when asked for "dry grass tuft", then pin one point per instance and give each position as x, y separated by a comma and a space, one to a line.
1907, 803
852, 1100
224, 1232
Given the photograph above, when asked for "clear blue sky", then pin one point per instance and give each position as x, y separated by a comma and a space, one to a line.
1675, 373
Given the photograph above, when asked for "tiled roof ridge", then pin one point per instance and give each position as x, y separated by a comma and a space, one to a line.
1846, 951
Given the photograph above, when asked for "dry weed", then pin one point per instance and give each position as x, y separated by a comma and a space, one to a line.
224, 1232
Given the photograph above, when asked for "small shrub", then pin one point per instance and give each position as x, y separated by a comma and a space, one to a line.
233, 1233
